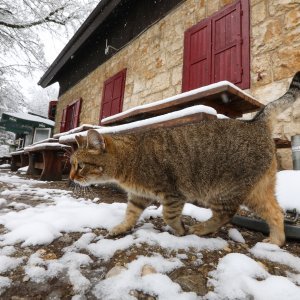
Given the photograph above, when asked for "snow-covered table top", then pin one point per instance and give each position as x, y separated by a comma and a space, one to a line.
190, 114
46, 146
223, 96
17, 152
77, 129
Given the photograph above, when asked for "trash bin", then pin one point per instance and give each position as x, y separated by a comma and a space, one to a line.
296, 151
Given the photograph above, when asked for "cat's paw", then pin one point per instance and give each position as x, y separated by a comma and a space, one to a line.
199, 229
118, 230
274, 241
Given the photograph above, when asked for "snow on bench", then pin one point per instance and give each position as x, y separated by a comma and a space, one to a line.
185, 116
75, 130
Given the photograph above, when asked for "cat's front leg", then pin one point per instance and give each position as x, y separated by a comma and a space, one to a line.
172, 210
135, 207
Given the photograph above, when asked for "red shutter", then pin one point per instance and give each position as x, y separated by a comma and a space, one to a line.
113, 94
217, 49
77, 109
63, 120
52, 110
227, 45
197, 56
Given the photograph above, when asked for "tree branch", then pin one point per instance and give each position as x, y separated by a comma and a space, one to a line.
47, 19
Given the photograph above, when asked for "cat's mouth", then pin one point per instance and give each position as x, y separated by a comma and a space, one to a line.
82, 183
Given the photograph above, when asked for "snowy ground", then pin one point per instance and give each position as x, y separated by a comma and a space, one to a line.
54, 245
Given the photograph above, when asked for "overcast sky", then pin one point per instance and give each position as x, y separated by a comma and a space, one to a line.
52, 47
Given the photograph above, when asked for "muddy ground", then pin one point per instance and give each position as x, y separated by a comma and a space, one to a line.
192, 277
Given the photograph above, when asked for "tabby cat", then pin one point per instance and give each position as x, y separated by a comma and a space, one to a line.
219, 163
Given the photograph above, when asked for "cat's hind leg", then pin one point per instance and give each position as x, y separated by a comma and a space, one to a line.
136, 205
218, 219
263, 202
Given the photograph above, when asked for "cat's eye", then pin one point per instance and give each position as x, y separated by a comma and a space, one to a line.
80, 166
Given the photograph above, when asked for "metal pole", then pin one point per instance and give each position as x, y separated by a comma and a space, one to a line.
296, 151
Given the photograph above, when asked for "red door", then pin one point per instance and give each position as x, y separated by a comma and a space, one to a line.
113, 95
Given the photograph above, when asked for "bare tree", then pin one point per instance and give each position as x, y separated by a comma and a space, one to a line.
22, 22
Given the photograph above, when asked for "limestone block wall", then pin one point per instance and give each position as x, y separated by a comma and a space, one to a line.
154, 60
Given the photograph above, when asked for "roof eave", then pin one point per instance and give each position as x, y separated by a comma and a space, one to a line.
98, 15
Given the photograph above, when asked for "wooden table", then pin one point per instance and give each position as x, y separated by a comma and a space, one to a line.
19, 159
48, 160
6, 159
223, 96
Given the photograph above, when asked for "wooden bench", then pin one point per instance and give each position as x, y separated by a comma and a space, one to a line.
5, 159
19, 159
47, 159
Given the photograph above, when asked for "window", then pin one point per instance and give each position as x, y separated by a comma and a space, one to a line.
217, 49
113, 94
70, 116
41, 134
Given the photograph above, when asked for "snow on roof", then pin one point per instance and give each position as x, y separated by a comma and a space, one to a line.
30, 117
120, 128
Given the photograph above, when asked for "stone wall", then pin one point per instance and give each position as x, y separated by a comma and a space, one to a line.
154, 60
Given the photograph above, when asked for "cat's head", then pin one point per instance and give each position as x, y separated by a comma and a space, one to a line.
92, 162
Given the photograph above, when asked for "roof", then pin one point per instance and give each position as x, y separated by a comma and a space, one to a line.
23, 122
112, 21
98, 15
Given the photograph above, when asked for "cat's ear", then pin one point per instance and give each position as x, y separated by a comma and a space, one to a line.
95, 140
80, 140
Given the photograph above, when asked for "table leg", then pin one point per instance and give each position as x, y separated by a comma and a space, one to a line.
52, 166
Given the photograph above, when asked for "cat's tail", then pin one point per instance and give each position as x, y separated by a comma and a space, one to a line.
275, 107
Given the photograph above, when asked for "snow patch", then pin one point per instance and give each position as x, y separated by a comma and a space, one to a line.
239, 277
157, 284
5, 283
3, 202
236, 236
9, 263
105, 248
274, 253
288, 189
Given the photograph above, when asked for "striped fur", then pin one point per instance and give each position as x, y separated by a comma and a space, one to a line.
220, 164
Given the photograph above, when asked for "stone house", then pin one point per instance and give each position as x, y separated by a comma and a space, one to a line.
132, 52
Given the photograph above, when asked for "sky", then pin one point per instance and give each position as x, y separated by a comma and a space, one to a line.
52, 47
